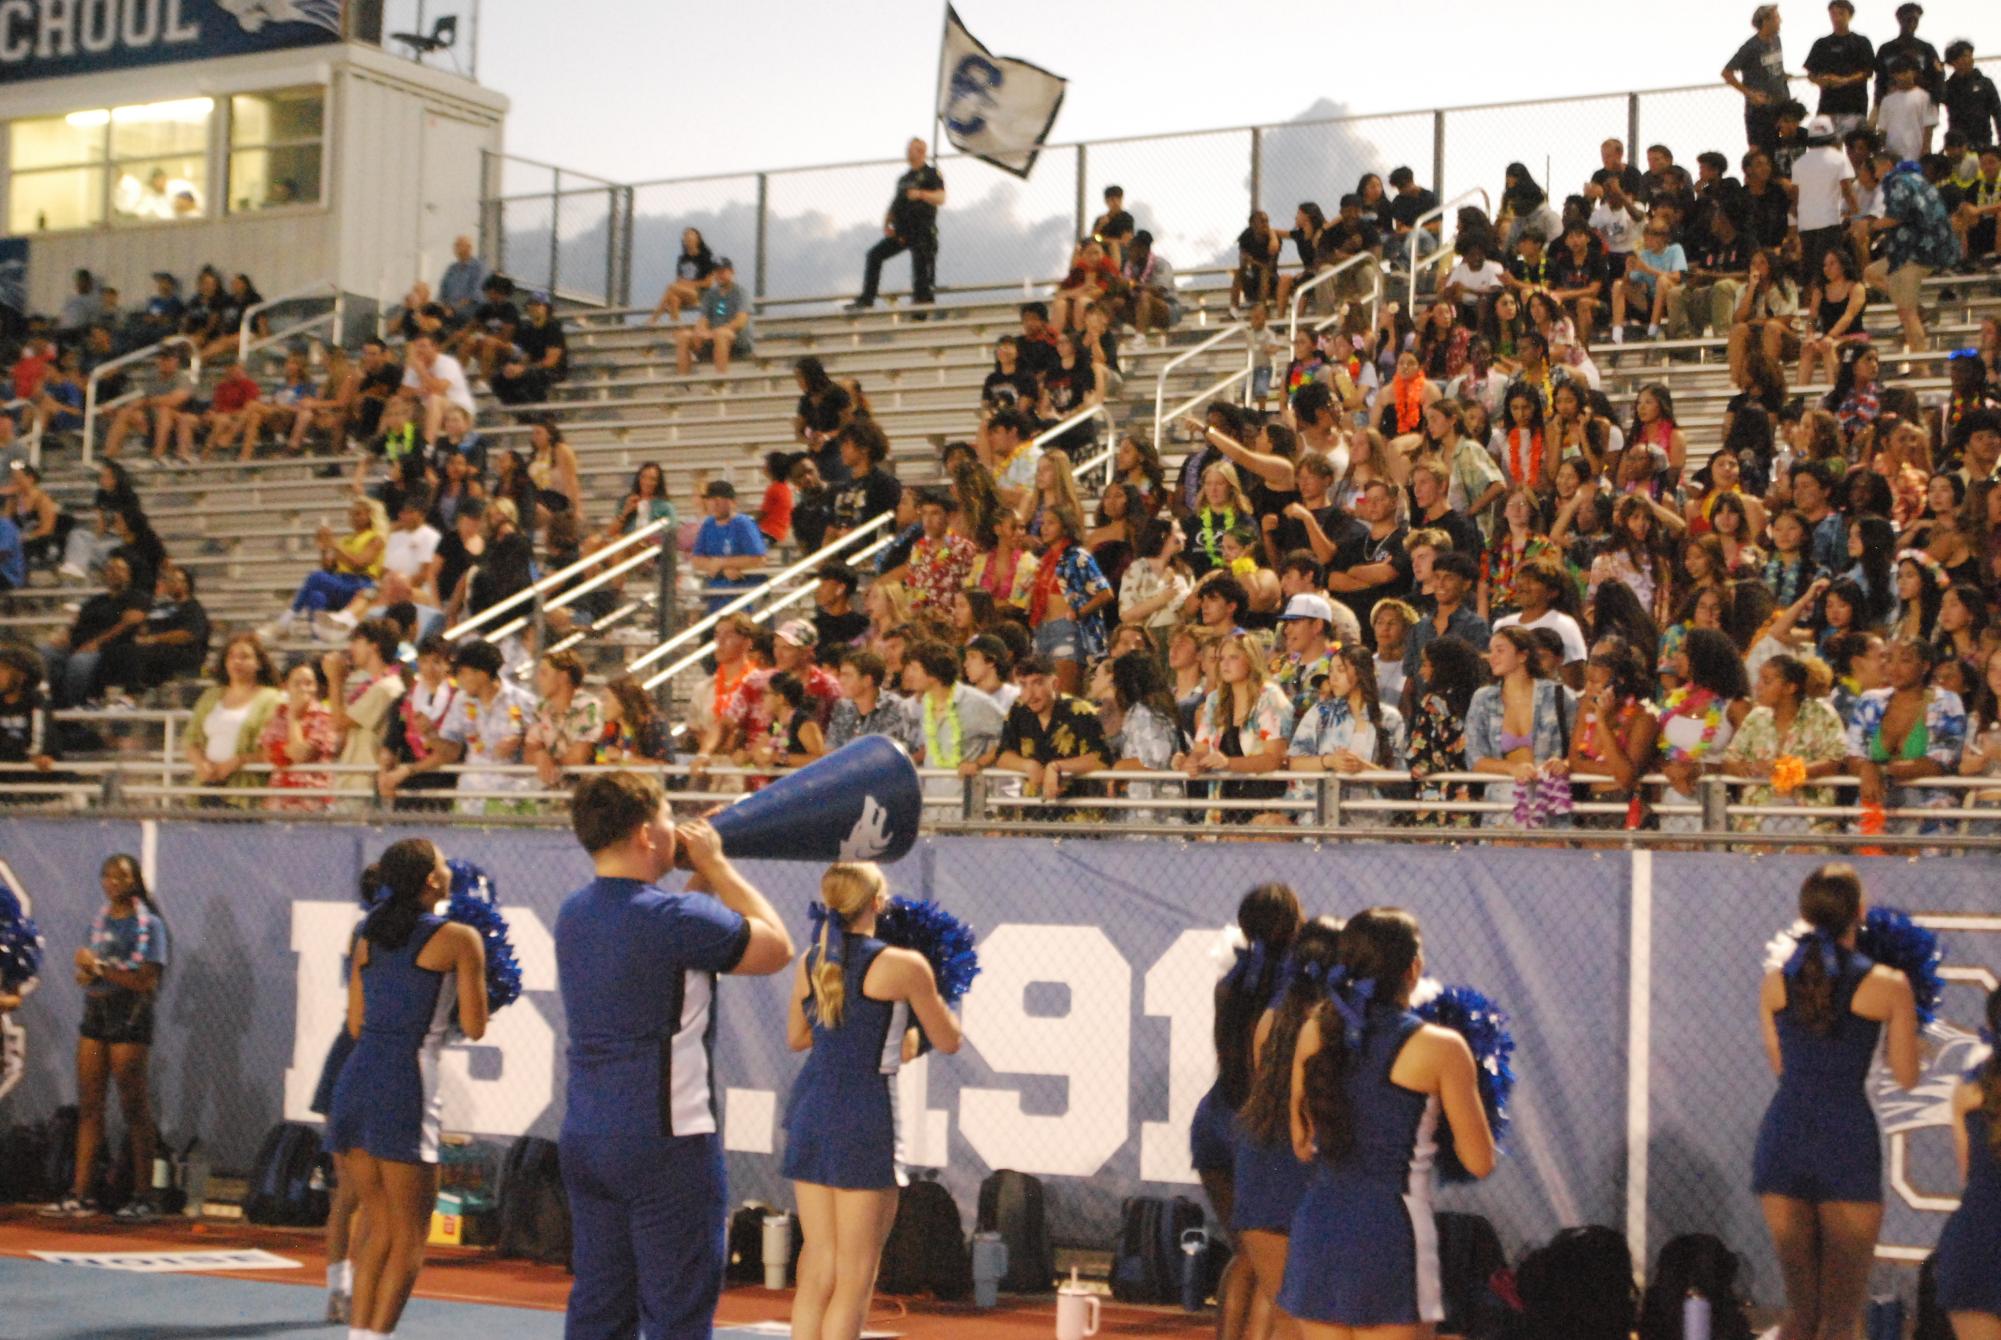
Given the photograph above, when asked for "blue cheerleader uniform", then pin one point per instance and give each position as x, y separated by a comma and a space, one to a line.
1819, 1142
1211, 1136
337, 1054
1364, 1246
840, 1123
386, 1101
1969, 1248
1269, 1183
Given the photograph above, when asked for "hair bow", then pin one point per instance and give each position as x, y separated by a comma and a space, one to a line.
1815, 942
1987, 1036
1350, 999
1249, 967
382, 895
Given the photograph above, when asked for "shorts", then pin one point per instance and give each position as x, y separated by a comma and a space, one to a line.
1905, 283
1815, 243
1057, 639
119, 1019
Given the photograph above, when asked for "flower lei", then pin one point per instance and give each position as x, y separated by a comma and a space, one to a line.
1515, 456
1927, 565
1587, 732
1045, 583
101, 942
1788, 773
1701, 704
943, 748
1409, 395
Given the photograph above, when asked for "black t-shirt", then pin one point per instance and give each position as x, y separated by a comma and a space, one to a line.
179, 616
1732, 257
505, 568
822, 413
1114, 227
382, 383
1389, 549
497, 318
1405, 210
1931, 73
1571, 273
1258, 250
1761, 67
101, 613
1765, 214
1541, 273
914, 219
865, 498
1341, 528
1007, 389
453, 560
1303, 246
530, 388
694, 269
1067, 387
1345, 239
25, 728
1847, 53
536, 341
1464, 532
1630, 180
1036, 357
837, 630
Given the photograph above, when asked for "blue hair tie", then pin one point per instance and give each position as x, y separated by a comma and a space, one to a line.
1987, 1036
1249, 966
1350, 999
383, 893
1818, 943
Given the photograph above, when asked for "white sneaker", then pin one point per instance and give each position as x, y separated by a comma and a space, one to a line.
1653, 332
1618, 334
72, 570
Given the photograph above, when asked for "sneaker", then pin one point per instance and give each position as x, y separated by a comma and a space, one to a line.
340, 1309
1618, 334
70, 1207
1654, 333
858, 305
137, 1211
72, 570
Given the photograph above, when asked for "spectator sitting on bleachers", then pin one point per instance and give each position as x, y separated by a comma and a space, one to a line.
722, 327
58, 406
728, 545
172, 643
286, 412
506, 567
438, 381
43, 523
169, 393
1091, 278
230, 311
871, 490
1151, 299
73, 656
540, 338
488, 333
460, 286
568, 722
692, 268
27, 735
381, 381
824, 408
163, 313
458, 438
13, 563
349, 565
228, 415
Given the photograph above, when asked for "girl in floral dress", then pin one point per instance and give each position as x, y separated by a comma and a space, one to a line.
300, 732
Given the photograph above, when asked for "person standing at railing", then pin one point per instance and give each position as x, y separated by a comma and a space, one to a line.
1519, 727
1905, 732
300, 732
865, 707
568, 721
728, 546
1050, 736
485, 728
363, 688
1758, 71
910, 224
27, 734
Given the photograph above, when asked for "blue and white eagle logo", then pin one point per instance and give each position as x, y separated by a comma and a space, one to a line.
252, 15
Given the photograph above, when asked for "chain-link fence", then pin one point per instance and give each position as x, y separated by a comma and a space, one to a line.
800, 233
1631, 977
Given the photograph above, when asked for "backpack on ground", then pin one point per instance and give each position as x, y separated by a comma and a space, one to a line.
24, 1157
1469, 1255
926, 1251
1011, 1205
288, 1182
1146, 1264
534, 1211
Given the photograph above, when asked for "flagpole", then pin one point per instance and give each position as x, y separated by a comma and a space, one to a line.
938, 92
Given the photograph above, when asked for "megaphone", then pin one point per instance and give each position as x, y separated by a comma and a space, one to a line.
860, 803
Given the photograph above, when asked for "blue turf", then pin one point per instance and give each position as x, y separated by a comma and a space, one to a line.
40, 1301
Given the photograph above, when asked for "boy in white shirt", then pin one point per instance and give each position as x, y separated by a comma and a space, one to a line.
1907, 115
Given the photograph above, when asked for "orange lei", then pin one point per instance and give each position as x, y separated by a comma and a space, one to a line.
1409, 394
1515, 457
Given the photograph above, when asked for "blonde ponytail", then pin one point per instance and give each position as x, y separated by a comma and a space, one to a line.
848, 889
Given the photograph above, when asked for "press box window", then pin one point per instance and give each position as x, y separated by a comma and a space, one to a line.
159, 160
276, 142
57, 172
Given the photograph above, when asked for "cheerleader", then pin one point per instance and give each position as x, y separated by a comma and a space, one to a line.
853, 1001
1969, 1248
1268, 1180
1370, 1082
340, 1212
120, 971
413, 974
1818, 1167
1268, 918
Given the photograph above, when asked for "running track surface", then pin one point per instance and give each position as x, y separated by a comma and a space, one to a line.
462, 1292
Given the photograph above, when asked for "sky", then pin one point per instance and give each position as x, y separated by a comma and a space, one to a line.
644, 89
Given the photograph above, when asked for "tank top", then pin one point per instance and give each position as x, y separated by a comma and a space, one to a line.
869, 1039
1830, 311
1831, 1067
403, 1004
1395, 1129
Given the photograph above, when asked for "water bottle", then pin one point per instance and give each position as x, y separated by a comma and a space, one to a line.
1076, 1310
1194, 1268
1695, 1317
989, 1266
194, 1178
777, 1249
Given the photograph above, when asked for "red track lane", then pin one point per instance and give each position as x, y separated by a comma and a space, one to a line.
470, 1275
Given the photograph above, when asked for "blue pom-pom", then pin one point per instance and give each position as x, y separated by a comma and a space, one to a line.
1891, 938
945, 942
20, 943
476, 903
1485, 1027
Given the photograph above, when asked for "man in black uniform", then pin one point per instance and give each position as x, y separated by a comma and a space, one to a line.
1907, 45
910, 225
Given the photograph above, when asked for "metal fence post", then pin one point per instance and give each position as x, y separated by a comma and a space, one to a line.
1083, 160
555, 228
625, 261
763, 215
1632, 128
492, 246
664, 620
1715, 796
1437, 166
611, 245
1257, 165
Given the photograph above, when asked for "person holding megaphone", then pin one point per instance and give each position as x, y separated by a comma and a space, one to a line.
856, 1006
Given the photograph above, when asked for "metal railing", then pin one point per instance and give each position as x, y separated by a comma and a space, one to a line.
1333, 271
1446, 250
555, 579
30, 439
992, 801
91, 407
334, 319
1167, 369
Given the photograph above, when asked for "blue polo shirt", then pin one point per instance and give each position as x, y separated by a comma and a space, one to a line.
637, 968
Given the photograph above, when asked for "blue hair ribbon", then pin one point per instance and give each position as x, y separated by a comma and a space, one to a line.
1249, 966
1819, 944
1987, 1036
1350, 999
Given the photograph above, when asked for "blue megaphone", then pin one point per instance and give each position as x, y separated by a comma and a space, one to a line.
860, 803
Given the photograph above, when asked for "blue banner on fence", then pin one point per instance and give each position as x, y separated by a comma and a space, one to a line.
1088, 1033
45, 39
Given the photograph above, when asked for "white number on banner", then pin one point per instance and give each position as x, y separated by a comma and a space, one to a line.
319, 938
1088, 1046
1182, 986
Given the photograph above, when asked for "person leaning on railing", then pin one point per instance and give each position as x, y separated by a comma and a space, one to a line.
1050, 737
224, 727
